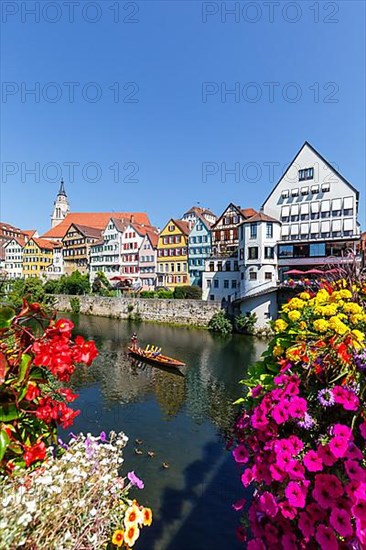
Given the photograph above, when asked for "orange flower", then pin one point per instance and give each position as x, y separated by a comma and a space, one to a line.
118, 537
147, 516
133, 515
131, 534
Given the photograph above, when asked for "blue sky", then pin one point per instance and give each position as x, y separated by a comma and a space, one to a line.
172, 63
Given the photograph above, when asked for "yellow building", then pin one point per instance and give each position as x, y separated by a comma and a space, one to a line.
37, 257
173, 255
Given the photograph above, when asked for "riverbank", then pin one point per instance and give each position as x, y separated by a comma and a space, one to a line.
195, 313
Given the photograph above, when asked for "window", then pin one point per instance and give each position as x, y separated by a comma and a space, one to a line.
348, 206
233, 283
269, 252
253, 230
306, 174
304, 211
252, 275
216, 283
317, 249
325, 187
228, 266
219, 266
253, 253
285, 213
285, 194
268, 276
314, 189
208, 283
241, 254
171, 228
304, 191
295, 192
269, 230
226, 283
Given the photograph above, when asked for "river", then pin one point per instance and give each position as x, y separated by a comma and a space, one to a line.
184, 420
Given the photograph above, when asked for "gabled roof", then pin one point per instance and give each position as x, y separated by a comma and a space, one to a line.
86, 230
153, 238
183, 226
243, 212
261, 217
248, 212
29, 233
119, 224
43, 243
307, 144
19, 240
202, 219
97, 220
142, 229
199, 210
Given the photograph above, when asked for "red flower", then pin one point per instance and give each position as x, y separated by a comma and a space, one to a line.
64, 326
37, 452
32, 392
84, 352
67, 415
68, 394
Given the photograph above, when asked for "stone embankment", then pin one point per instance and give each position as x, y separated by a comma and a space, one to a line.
180, 312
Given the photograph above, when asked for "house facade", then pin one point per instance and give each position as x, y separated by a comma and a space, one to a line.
199, 249
105, 253
173, 254
37, 257
147, 261
195, 212
76, 247
14, 257
225, 231
318, 209
56, 269
258, 254
220, 279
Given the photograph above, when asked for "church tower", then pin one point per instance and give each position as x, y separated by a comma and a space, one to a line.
61, 206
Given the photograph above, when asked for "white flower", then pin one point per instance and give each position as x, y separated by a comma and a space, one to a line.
24, 519
31, 506
93, 512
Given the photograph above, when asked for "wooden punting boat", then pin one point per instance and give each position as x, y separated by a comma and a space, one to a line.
148, 357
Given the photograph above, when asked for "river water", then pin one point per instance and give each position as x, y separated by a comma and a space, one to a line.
184, 420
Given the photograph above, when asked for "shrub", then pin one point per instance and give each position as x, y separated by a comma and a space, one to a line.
75, 304
188, 293
246, 323
301, 434
76, 283
101, 284
32, 289
148, 294
52, 286
165, 294
220, 323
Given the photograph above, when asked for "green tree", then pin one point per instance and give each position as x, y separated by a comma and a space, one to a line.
220, 323
32, 289
76, 283
188, 293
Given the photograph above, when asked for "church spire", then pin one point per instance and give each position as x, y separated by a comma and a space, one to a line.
61, 206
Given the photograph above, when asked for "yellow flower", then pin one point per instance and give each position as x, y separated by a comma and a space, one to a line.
147, 516
359, 335
322, 296
132, 533
336, 324
117, 538
321, 325
280, 325
345, 293
294, 315
293, 354
296, 303
277, 350
133, 515
357, 318
352, 307
302, 325
305, 296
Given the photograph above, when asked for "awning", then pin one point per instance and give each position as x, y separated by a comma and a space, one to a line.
120, 278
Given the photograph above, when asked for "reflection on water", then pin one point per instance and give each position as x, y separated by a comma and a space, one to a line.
183, 419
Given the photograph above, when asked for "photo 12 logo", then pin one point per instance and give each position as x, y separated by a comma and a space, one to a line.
71, 171
69, 92
269, 92
269, 12
69, 11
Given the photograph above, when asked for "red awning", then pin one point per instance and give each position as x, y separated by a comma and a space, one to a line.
120, 278
294, 272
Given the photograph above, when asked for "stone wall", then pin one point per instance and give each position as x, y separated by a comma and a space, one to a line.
183, 312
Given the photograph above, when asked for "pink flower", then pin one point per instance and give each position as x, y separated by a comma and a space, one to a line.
363, 429
268, 504
297, 444
359, 510
296, 470
338, 446
313, 462
340, 520
326, 455
326, 538
256, 391
354, 470
247, 477
327, 488
277, 473
298, 407
306, 525
296, 494
346, 397
360, 491
343, 431
315, 512
239, 504
284, 460
282, 445
241, 454
280, 413
288, 512
255, 544
289, 542
353, 452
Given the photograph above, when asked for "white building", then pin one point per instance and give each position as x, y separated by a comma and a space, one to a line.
61, 206
55, 270
105, 254
14, 257
193, 214
318, 209
220, 279
258, 237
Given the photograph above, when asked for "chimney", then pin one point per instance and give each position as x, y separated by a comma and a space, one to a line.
132, 218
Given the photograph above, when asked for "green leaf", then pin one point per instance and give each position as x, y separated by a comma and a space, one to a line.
8, 411
24, 364
4, 442
238, 401
7, 314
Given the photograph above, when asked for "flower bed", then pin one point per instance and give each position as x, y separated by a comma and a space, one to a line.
56, 495
301, 434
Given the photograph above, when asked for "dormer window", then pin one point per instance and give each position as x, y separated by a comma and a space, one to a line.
295, 192
325, 187
315, 189
285, 194
306, 174
304, 191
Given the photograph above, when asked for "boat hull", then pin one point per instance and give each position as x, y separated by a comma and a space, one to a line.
161, 360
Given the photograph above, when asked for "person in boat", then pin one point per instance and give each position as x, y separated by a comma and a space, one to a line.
156, 352
134, 340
